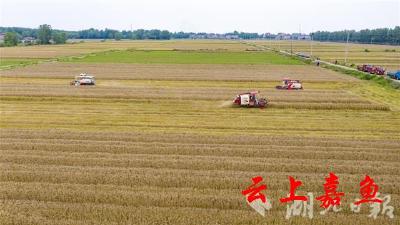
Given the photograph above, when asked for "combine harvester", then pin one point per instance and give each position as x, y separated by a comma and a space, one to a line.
288, 84
83, 79
250, 100
371, 69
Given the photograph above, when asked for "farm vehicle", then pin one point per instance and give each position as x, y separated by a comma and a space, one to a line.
83, 79
250, 99
288, 84
394, 75
371, 69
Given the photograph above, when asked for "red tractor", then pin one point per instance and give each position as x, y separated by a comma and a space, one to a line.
371, 69
379, 70
365, 68
249, 99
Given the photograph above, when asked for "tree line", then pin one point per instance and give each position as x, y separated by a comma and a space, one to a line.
373, 36
139, 34
44, 34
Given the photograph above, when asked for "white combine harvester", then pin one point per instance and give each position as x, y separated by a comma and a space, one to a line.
83, 79
249, 99
289, 84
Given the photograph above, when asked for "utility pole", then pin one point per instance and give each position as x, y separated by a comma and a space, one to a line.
347, 48
131, 32
279, 45
270, 42
311, 44
291, 44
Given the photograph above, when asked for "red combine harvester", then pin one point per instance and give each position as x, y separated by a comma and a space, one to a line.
288, 84
249, 99
371, 69
379, 71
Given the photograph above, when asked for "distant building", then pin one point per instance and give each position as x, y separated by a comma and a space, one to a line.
283, 36
294, 36
299, 36
231, 36
29, 40
198, 36
2, 37
269, 36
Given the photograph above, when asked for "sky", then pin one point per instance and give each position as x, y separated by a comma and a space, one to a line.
217, 16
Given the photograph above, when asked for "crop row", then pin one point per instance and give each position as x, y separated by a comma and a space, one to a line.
283, 151
38, 212
187, 138
118, 71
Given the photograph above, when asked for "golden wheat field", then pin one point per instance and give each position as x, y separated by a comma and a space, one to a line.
157, 143
387, 56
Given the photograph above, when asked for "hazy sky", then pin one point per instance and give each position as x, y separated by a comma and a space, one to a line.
203, 15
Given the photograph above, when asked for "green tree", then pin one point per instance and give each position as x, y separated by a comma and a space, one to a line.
44, 34
10, 39
165, 35
60, 38
118, 36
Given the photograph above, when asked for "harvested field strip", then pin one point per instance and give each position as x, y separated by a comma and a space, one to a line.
127, 196
178, 122
264, 143
183, 178
140, 90
180, 72
43, 149
111, 213
41, 212
110, 194
133, 84
200, 163
28, 91
21, 95
143, 137
137, 114
218, 150
282, 100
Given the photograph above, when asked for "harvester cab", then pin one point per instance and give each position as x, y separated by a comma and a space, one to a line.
250, 99
289, 84
83, 79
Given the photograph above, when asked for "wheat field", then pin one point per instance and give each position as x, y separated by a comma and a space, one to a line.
160, 143
387, 56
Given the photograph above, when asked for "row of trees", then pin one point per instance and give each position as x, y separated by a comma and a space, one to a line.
155, 34
374, 36
115, 34
44, 35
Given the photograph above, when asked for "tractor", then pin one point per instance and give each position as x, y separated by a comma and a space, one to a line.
83, 79
250, 100
288, 84
365, 68
371, 69
379, 70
